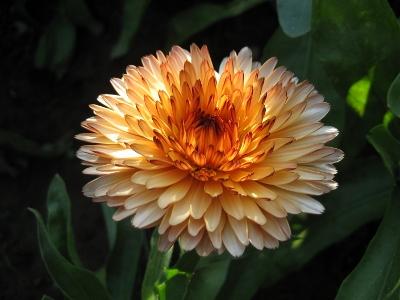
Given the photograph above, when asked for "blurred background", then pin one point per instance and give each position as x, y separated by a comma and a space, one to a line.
57, 56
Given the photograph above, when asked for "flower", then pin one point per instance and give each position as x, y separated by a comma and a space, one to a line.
214, 159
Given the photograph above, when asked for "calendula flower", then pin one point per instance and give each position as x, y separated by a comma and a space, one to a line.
214, 159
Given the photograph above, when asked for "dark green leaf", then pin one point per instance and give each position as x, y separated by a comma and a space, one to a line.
175, 285
360, 198
56, 46
298, 56
387, 147
19, 143
393, 97
78, 12
194, 277
75, 282
133, 12
123, 261
359, 28
45, 297
156, 265
377, 276
111, 225
59, 219
295, 16
198, 17
208, 277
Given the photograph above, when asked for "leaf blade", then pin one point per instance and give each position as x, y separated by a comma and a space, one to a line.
393, 97
157, 263
123, 261
197, 18
380, 265
294, 16
59, 219
74, 282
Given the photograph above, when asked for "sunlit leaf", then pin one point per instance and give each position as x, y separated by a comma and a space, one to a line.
198, 17
377, 276
156, 265
360, 198
75, 282
393, 97
387, 147
123, 261
357, 96
133, 12
295, 16
59, 219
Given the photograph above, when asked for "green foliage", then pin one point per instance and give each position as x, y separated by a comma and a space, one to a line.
59, 219
156, 265
123, 261
378, 273
57, 44
111, 226
357, 97
361, 198
349, 50
187, 279
394, 96
295, 16
387, 147
133, 12
75, 282
193, 20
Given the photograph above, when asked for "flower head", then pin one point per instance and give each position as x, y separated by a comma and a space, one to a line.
214, 159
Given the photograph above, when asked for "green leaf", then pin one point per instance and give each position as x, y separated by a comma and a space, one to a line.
156, 265
377, 276
111, 225
387, 147
298, 56
75, 282
59, 219
357, 96
360, 198
295, 16
45, 297
194, 277
393, 97
198, 17
133, 12
208, 277
346, 54
78, 12
123, 261
56, 46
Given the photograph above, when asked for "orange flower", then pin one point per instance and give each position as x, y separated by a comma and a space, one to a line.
214, 159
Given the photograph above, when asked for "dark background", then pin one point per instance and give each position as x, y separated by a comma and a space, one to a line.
41, 110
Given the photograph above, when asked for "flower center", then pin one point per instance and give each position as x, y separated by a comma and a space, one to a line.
203, 174
209, 122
